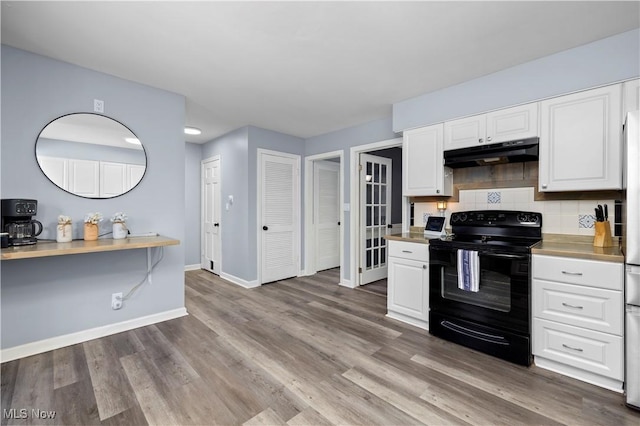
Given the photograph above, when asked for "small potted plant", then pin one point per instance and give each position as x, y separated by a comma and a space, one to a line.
91, 221
64, 230
120, 230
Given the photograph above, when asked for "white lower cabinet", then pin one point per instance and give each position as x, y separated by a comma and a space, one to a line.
578, 310
408, 283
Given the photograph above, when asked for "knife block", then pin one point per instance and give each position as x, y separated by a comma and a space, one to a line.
603, 235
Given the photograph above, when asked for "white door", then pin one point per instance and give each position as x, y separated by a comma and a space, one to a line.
375, 216
210, 258
326, 213
279, 194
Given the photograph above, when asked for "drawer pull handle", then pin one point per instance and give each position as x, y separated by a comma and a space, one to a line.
572, 306
572, 273
573, 349
407, 251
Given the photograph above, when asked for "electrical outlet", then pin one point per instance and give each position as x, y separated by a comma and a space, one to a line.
98, 105
116, 301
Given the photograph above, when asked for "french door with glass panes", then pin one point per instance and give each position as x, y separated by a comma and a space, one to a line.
375, 216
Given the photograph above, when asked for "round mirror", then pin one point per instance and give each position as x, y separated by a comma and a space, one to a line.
91, 155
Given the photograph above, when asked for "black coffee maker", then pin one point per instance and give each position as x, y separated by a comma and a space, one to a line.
17, 222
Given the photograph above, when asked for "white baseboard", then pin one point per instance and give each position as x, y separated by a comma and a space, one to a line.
57, 342
346, 283
193, 267
239, 281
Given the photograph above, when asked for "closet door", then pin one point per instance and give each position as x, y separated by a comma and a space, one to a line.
279, 219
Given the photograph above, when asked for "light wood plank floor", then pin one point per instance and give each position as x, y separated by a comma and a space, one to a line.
298, 352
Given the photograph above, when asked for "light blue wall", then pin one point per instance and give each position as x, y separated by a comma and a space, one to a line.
374, 131
193, 156
605, 61
238, 161
233, 149
44, 298
86, 151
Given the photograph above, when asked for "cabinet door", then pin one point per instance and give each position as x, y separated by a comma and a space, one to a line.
465, 132
134, 175
408, 287
512, 123
113, 179
84, 178
56, 169
580, 141
423, 163
631, 93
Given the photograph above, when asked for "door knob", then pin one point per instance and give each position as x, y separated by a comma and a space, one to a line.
265, 228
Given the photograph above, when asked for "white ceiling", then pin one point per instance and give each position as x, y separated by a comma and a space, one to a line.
304, 68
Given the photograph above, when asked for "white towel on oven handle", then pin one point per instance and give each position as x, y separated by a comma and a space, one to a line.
468, 270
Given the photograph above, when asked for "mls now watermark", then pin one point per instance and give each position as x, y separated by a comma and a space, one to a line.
23, 413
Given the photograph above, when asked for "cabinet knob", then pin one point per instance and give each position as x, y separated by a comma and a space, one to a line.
488, 138
544, 186
437, 191
424, 266
480, 140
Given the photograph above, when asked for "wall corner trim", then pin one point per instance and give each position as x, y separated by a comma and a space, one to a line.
239, 281
57, 342
346, 283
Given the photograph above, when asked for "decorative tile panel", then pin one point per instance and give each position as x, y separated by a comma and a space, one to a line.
494, 197
586, 221
425, 216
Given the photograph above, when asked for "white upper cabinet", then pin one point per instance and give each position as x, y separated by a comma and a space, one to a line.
423, 163
631, 93
465, 132
84, 178
581, 140
498, 126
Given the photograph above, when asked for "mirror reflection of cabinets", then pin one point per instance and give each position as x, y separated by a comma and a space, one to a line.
90, 155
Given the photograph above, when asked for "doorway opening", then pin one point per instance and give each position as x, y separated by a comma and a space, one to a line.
324, 216
368, 247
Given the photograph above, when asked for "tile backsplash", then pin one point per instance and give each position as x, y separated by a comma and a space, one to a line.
558, 217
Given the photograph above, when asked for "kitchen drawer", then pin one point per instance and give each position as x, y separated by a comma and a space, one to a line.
591, 273
593, 308
596, 352
407, 250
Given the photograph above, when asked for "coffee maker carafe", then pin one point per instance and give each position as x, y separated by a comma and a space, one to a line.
17, 222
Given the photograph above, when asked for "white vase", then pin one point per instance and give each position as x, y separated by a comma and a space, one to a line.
64, 233
120, 230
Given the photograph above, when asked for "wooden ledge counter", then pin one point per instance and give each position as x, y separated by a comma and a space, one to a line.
52, 248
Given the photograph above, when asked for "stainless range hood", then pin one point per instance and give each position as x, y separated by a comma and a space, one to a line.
486, 155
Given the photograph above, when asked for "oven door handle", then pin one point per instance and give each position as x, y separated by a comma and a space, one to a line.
505, 256
485, 253
491, 338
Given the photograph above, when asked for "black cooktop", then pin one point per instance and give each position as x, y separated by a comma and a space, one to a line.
509, 230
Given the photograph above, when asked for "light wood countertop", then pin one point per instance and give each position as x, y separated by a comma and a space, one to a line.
52, 248
577, 246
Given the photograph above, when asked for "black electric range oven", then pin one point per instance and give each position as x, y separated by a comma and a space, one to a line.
494, 315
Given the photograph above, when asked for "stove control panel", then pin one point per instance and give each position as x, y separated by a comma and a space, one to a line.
496, 218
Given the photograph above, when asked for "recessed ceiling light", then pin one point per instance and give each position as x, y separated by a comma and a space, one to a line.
192, 131
134, 141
